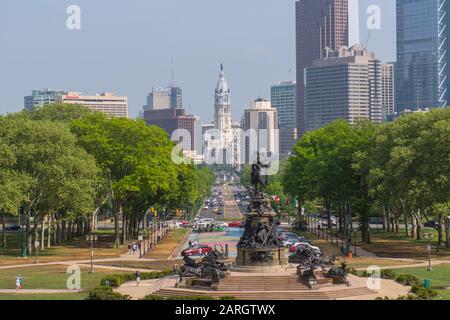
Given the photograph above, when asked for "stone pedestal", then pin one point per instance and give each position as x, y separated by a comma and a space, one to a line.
261, 257
259, 246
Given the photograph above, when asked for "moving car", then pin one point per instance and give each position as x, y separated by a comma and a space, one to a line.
235, 224
197, 250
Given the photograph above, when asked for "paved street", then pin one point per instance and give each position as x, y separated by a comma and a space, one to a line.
231, 210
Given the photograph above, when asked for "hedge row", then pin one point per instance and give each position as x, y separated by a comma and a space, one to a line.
117, 280
158, 297
105, 293
404, 279
105, 290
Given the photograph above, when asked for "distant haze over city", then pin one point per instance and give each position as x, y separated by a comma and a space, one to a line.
127, 48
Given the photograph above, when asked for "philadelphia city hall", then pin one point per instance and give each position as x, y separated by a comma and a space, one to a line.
222, 139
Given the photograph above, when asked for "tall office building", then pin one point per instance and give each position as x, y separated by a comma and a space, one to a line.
181, 127
345, 84
283, 99
164, 98
106, 102
261, 118
319, 24
423, 49
39, 98
388, 91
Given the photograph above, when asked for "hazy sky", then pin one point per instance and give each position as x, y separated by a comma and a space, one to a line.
126, 47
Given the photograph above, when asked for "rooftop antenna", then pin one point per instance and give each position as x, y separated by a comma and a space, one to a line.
173, 71
370, 34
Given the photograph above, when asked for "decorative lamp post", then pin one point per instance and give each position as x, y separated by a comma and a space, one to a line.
36, 248
140, 238
92, 238
429, 237
22, 227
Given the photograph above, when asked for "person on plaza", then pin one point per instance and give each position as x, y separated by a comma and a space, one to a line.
19, 282
129, 249
190, 243
134, 246
138, 278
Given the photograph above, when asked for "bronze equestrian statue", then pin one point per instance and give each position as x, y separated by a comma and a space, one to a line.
259, 180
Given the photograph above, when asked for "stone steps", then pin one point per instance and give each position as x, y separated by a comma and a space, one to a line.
266, 283
273, 295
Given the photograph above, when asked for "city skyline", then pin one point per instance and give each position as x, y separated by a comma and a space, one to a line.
132, 69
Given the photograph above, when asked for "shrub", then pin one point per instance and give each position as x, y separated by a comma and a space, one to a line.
382, 298
105, 293
408, 280
227, 298
153, 297
388, 274
117, 280
111, 281
423, 293
407, 297
190, 298
352, 271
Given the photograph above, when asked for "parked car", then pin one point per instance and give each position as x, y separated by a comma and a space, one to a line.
376, 220
283, 235
294, 247
222, 224
13, 227
325, 223
431, 224
198, 250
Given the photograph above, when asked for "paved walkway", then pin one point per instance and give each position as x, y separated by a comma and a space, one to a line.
134, 291
49, 291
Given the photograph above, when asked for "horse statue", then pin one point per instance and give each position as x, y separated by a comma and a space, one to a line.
259, 180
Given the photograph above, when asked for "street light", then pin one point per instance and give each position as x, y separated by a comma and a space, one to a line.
140, 238
92, 238
36, 247
429, 237
22, 227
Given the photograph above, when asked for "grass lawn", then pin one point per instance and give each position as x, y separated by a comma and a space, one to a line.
440, 276
393, 245
60, 296
50, 277
397, 245
76, 249
362, 262
167, 245
445, 294
150, 265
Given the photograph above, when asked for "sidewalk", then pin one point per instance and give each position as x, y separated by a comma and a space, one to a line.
50, 291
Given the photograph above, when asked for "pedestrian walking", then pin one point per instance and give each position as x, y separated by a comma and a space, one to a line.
129, 248
134, 246
138, 278
19, 282
190, 243
175, 269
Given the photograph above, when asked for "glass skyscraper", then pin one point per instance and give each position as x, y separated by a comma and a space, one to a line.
422, 54
282, 96
39, 98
